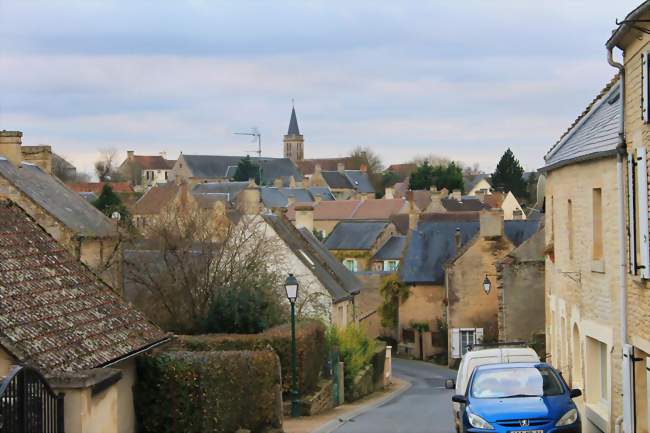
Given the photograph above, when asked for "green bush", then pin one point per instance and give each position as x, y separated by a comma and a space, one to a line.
355, 348
310, 345
196, 392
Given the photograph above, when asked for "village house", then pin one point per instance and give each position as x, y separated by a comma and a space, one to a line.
344, 184
78, 332
477, 184
145, 171
472, 305
355, 242
507, 202
583, 265
84, 231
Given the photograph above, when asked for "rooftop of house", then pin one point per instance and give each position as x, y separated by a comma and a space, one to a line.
49, 193
355, 235
152, 162
221, 167
155, 199
337, 210
308, 166
401, 221
470, 181
348, 179
594, 134
465, 204
338, 280
57, 315
272, 197
96, 187
392, 249
402, 170
494, 200
433, 243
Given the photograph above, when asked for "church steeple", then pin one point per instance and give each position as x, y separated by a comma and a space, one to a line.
293, 142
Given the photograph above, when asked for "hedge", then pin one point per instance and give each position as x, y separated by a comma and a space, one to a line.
197, 392
311, 349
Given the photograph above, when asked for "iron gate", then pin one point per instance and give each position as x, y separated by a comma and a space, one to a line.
28, 404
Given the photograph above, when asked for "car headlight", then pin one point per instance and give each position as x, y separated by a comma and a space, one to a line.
478, 422
568, 418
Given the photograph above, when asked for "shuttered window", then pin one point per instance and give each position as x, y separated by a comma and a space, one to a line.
631, 202
645, 76
463, 338
641, 178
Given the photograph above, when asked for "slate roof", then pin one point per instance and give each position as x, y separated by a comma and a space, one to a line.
594, 134
337, 180
48, 192
230, 188
273, 197
153, 162
355, 235
393, 249
470, 181
369, 209
339, 281
467, 204
216, 167
401, 221
293, 124
155, 199
308, 166
348, 179
55, 314
433, 243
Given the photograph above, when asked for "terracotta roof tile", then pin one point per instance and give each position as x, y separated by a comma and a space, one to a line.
153, 162
96, 187
155, 199
55, 314
374, 209
307, 166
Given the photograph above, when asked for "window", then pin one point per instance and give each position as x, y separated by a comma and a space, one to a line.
391, 265
569, 219
462, 338
166, 175
466, 339
597, 224
597, 369
351, 264
514, 381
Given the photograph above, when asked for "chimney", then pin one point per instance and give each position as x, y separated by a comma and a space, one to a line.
249, 199
164, 155
363, 168
317, 198
40, 155
10, 143
130, 155
458, 239
491, 222
414, 217
340, 167
433, 189
455, 194
444, 193
305, 216
277, 182
390, 192
481, 196
290, 200
436, 203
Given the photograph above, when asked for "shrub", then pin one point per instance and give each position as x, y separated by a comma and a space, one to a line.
355, 348
197, 392
310, 345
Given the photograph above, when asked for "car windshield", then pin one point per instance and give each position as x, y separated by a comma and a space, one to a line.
516, 382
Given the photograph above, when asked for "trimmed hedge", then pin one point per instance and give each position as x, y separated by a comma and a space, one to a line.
311, 349
197, 392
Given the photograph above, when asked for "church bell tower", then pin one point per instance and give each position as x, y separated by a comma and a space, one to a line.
294, 144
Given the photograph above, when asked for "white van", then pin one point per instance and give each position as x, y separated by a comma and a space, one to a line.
481, 356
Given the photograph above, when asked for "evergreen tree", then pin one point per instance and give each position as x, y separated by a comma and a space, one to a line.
422, 177
247, 170
448, 176
108, 202
508, 175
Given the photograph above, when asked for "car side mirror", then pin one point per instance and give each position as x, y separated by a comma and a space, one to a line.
575, 393
459, 399
450, 384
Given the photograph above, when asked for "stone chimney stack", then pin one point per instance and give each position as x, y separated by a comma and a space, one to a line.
340, 167
363, 168
491, 222
390, 192
455, 194
249, 199
10, 144
444, 193
164, 155
414, 215
130, 154
40, 155
458, 239
305, 216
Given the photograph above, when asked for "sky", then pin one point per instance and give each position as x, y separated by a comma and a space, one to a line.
459, 79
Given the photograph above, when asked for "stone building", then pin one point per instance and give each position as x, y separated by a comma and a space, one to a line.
77, 225
583, 248
60, 318
145, 171
294, 143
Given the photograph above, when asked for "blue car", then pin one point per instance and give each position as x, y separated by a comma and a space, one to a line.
518, 398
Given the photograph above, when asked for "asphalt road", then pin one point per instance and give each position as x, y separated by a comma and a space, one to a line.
424, 408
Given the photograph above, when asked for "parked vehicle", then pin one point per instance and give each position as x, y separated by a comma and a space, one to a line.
518, 398
484, 355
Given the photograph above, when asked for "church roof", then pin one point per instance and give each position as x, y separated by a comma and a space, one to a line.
293, 124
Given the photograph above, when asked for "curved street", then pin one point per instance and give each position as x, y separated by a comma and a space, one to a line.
423, 408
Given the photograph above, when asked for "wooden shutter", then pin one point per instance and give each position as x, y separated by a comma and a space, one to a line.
631, 203
628, 388
644, 95
478, 336
642, 200
647, 379
455, 343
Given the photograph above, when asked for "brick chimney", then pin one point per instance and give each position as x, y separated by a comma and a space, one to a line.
491, 222
305, 216
340, 167
10, 143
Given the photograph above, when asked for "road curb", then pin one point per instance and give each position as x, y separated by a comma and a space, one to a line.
332, 425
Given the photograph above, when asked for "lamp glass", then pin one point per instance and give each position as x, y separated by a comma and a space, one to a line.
487, 285
291, 286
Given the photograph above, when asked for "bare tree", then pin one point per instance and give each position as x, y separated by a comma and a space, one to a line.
374, 165
433, 160
105, 165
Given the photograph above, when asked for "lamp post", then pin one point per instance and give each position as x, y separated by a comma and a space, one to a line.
291, 286
487, 284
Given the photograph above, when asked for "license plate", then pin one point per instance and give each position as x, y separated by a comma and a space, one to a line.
526, 431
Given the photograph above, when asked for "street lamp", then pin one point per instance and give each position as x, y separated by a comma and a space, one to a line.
487, 285
291, 286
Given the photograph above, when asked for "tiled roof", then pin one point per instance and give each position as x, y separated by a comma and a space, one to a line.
403, 170
337, 180
369, 209
360, 181
392, 249
153, 162
337, 280
48, 192
55, 314
433, 243
330, 210
308, 166
467, 204
155, 199
96, 187
595, 133
378, 209
401, 221
355, 235
216, 167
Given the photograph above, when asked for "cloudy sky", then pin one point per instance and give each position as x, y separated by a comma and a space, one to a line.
462, 79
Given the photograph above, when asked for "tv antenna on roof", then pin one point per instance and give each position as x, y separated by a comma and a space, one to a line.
255, 133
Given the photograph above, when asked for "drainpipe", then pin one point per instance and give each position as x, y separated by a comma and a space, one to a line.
620, 184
